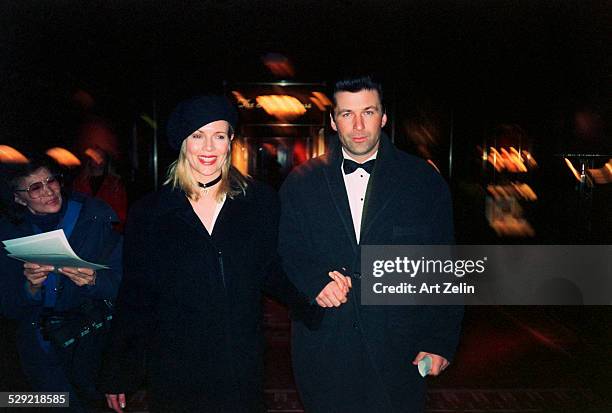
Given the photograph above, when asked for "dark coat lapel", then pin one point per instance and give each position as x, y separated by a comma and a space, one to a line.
335, 183
174, 201
177, 200
382, 187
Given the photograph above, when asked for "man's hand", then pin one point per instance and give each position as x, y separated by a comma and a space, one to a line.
36, 275
80, 276
438, 363
116, 402
334, 294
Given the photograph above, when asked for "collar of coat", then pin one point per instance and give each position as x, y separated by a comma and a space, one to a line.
171, 199
386, 179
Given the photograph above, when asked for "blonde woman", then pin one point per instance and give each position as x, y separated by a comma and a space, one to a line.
198, 255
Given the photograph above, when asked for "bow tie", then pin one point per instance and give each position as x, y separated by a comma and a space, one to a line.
350, 166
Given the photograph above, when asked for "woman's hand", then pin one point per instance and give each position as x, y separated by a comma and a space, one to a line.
80, 276
36, 275
116, 402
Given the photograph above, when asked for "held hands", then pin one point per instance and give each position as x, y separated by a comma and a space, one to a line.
438, 363
36, 275
80, 276
116, 402
334, 294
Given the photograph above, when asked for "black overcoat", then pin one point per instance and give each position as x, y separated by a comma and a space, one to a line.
360, 359
191, 302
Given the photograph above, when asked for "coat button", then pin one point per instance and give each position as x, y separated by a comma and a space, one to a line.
356, 326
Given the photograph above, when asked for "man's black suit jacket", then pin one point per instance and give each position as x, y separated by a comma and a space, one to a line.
360, 360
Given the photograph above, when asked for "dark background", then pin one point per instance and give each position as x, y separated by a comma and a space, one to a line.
527, 61
465, 65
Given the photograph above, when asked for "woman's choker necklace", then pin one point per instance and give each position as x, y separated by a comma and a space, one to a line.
209, 184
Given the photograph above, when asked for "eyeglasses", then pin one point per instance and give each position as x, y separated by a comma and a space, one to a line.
38, 189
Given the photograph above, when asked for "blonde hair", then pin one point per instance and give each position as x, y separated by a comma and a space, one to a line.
179, 175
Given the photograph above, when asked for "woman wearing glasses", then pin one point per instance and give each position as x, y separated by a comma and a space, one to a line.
34, 293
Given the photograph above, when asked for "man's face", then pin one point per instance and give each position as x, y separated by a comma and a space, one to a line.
358, 118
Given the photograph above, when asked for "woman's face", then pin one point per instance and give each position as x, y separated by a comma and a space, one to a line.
207, 148
44, 194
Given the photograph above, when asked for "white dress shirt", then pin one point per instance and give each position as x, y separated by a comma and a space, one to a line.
356, 185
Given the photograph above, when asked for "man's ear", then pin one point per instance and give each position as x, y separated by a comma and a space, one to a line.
383, 121
333, 122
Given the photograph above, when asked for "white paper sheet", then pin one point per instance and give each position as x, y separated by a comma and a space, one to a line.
49, 248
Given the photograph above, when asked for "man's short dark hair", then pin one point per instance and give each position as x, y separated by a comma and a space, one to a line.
356, 84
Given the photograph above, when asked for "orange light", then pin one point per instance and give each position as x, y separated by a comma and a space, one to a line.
63, 157
242, 101
11, 155
96, 155
281, 106
603, 175
509, 159
322, 98
317, 103
574, 171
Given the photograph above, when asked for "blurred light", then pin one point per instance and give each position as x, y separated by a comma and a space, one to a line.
322, 98
11, 155
97, 133
96, 155
279, 65
281, 106
602, 175
242, 101
574, 170
514, 190
429, 161
149, 121
300, 152
317, 103
240, 156
509, 159
319, 144
63, 157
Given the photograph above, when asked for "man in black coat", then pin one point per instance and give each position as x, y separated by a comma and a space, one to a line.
363, 358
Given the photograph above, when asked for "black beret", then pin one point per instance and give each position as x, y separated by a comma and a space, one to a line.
191, 114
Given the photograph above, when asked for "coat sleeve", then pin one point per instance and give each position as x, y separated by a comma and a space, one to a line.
304, 270
443, 335
123, 365
275, 281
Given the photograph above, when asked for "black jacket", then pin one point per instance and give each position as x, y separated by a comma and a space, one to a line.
360, 359
191, 303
